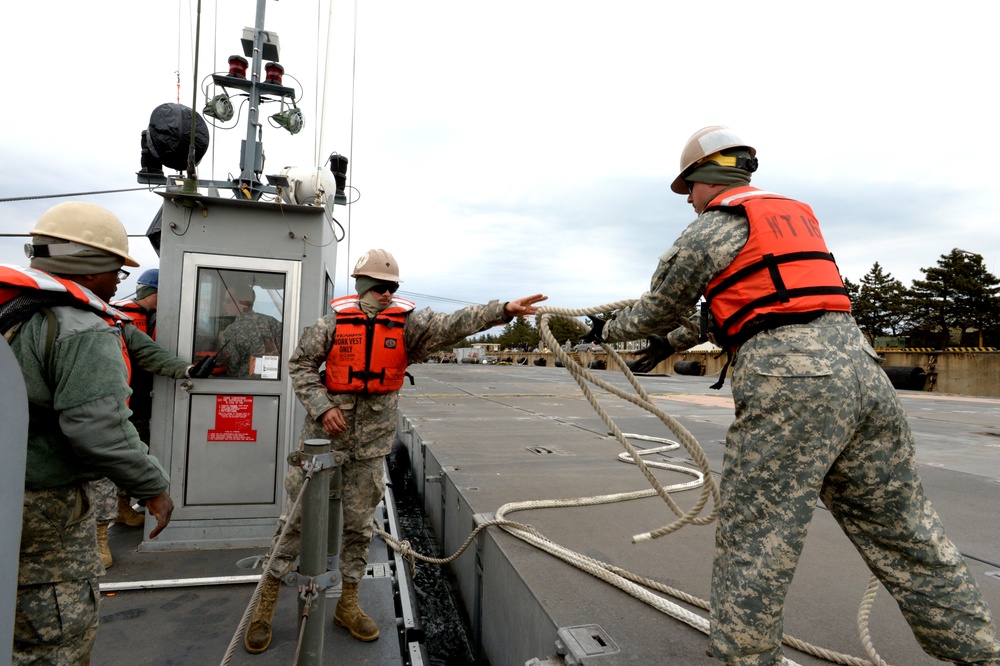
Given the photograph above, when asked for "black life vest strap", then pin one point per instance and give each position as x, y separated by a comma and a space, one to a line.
722, 373
756, 325
771, 321
771, 262
389, 323
777, 297
366, 375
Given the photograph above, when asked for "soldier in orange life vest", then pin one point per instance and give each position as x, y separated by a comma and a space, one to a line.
69, 345
142, 310
816, 417
366, 344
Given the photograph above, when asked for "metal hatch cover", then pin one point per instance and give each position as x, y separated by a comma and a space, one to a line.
581, 642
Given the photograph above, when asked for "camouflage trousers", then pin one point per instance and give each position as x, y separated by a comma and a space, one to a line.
56, 615
363, 486
817, 418
103, 495
56, 623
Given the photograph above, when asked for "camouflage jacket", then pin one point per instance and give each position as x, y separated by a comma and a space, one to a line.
371, 419
251, 336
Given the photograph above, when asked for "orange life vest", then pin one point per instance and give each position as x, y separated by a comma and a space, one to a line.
142, 318
368, 354
15, 280
783, 275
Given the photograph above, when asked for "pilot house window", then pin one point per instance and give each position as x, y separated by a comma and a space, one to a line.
239, 318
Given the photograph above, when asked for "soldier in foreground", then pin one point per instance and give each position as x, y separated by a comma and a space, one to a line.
816, 417
356, 409
68, 343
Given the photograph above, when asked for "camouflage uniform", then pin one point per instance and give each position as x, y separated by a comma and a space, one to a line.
252, 335
103, 497
147, 358
78, 430
371, 426
816, 418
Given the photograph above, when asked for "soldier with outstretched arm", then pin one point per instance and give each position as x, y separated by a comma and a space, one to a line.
347, 371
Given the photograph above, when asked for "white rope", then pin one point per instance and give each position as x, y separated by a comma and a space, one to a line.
266, 571
630, 583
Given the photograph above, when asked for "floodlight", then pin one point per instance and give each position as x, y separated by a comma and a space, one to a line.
291, 119
219, 107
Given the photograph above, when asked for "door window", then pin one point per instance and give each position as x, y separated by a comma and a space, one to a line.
239, 316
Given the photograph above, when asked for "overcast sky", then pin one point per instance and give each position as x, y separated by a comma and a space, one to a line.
501, 149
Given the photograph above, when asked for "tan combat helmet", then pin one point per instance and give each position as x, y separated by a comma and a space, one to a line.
84, 224
377, 264
705, 143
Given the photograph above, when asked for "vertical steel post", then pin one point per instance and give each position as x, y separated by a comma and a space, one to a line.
312, 555
250, 147
334, 532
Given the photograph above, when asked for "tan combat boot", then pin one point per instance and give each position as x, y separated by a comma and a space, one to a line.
127, 515
258, 635
350, 616
103, 549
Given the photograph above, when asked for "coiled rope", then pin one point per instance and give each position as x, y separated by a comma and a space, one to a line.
637, 586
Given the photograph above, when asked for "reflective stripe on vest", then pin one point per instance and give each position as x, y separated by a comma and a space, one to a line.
368, 354
16, 279
31, 278
784, 270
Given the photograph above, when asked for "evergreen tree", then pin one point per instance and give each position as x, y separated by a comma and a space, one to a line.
957, 294
519, 334
853, 291
878, 305
977, 303
564, 330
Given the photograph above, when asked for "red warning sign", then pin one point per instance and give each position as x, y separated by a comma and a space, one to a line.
233, 419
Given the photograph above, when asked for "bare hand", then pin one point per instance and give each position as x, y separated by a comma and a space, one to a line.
333, 421
523, 306
160, 507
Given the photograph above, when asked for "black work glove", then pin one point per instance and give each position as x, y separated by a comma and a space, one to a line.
202, 368
649, 356
594, 334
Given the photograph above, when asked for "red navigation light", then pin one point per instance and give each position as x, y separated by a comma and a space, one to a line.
238, 66
273, 72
